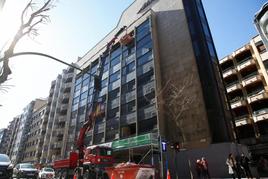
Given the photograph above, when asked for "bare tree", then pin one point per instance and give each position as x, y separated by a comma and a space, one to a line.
176, 100
31, 17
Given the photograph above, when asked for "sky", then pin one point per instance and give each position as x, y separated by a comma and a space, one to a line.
77, 25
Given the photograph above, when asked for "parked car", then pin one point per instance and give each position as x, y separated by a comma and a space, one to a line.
5, 167
25, 170
46, 173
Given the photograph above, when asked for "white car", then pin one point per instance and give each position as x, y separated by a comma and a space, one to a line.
46, 173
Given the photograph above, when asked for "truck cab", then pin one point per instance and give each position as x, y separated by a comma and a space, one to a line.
101, 156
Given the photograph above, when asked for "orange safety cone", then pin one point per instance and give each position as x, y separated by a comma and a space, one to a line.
168, 175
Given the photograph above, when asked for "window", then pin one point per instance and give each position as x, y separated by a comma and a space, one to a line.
129, 68
75, 100
115, 53
114, 76
145, 58
144, 41
143, 50
78, 81
114, 94
83, 95
115, 61
128, 86
144, 26
128, 108
104, 83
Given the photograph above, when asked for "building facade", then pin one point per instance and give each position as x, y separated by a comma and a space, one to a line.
246, 80
22, 131
12, 128
3, 140
35, 136
161, 40
57, 115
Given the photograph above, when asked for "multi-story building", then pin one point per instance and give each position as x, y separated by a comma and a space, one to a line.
3, 140
22, 131
12, 128
57, 113
35, 136
246, 80
163, 40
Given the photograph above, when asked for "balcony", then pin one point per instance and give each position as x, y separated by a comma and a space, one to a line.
238, 102
64, 107
228, 58
260, 115
228, 72
241, 120
233, 86
251, 78
264, 56
245, 63
257, 96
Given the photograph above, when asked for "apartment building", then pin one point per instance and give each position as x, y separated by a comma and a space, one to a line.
12, 130
57, 115
3, 140
246, 81
22, 131
35, 135
154, 42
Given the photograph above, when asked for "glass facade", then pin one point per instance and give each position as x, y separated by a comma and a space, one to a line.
127, 91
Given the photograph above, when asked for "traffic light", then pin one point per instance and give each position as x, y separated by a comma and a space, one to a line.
97, 83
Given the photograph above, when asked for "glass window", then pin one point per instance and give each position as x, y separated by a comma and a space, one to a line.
129, 68
114, 76
115, 61
211, 49
145, 58
104, 83
105, 68
85, 82
94, 68
114, 94
143, 50
83, 95
90, 99
143, 26
128, 51
78, 80
128, 87
142, 34
77, 87
115, 53
90, 91
75, 100
144, 41
114, 85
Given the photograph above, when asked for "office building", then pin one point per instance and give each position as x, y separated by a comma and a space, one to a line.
246, 80
154, 42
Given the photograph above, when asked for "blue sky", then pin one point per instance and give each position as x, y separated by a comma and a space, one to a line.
77, 25
231, 22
